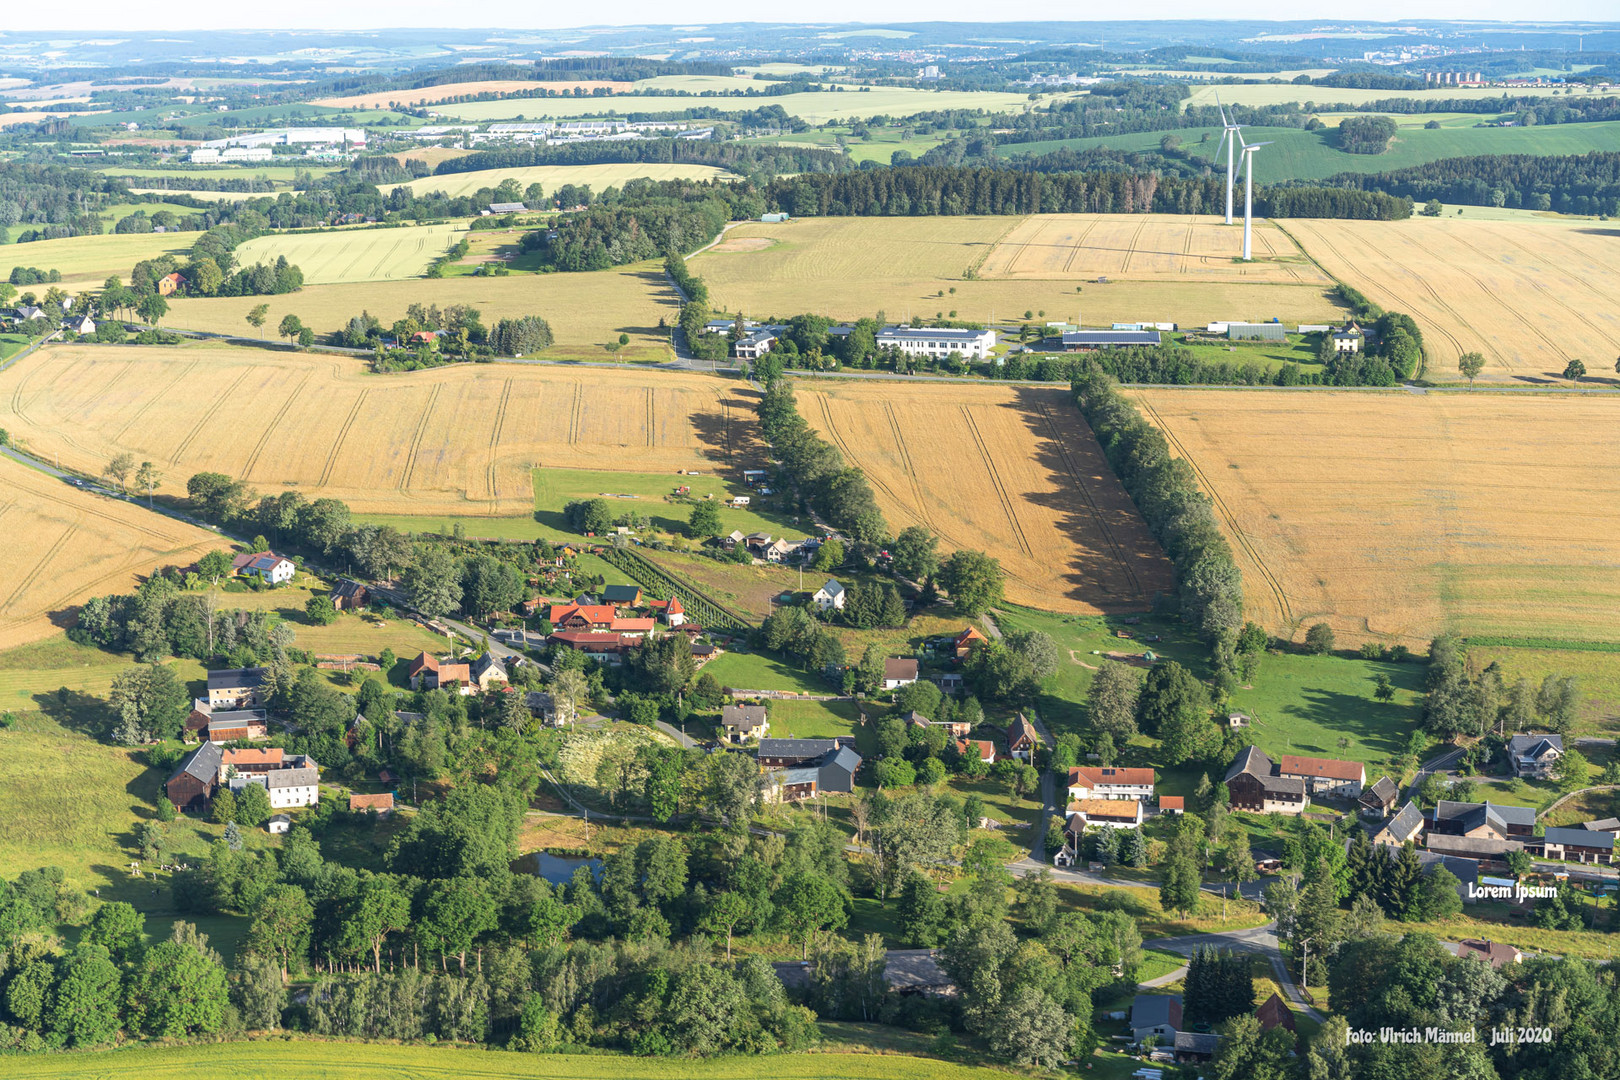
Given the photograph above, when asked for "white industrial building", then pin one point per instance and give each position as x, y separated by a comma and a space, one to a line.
938, 342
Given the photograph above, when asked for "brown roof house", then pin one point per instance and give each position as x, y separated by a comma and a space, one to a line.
1493, 953
1022, 740
382, 805
1274, 1012
192, 784
898, 672
1378, 800
1325, 776
428, 672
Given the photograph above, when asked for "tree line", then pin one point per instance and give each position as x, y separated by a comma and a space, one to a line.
737, 157
1569, 183
817, 471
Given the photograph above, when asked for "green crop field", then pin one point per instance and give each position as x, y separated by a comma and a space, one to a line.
1327, 96
346, 256
1296, 154
314, 1060
280, 173
206, 196
112, 214
89, 260
816, 108
1597, 672
551, 177
879, 144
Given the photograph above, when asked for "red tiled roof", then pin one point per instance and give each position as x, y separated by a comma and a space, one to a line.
592, 613
1093, 776
424, 662
1172, 802
1289, 765
385, 801
239, 758
1106, 808
633, 625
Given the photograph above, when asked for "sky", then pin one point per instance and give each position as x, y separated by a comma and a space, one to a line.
103, 16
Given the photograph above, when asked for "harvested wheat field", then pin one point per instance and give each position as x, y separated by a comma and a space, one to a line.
460, 439
1147, 247
551, 177
90, 260
349, 255
586, 311
997, 268
1530, 296
1013, 471
63, 545
1394, 516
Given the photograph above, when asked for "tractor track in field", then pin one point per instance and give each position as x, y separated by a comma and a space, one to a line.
343, 433
910, 469
574, 414
1125, 267
45, 560
1550, 294
1079, 245
1278, 595
1074, 472
213, 411
652, 420
495, 438
852, 460
417, 436
154, 399
275, 421
1007, 504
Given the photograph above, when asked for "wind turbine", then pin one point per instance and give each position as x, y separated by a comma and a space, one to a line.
1248, 150
1229, 139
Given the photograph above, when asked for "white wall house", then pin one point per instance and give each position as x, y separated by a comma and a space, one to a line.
829, 597
293, 787
938, 343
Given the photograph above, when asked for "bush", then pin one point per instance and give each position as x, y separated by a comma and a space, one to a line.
1319, 639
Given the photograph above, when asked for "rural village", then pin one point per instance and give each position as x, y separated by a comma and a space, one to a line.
641, 551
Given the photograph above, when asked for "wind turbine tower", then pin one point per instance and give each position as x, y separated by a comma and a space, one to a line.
1229, 140
1248, 193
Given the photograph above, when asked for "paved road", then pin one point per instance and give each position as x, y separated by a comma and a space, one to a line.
1260, 939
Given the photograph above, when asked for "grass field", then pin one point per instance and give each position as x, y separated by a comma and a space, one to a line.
88, 260
813, 719
1296, 154
206, 196
1394, 516
1598, 672
1012, 471
312, 1060
342, 256
760, 671
280, 173
586, 311
850, 267
651, 495
63, 545
1528, 295
457, 439
551, 177
1328, 96
816, 108
32, 676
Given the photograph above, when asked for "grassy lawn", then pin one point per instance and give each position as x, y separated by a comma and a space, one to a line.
813, 719
1537, 793
741, 586
1588, 807
1143, 906
1306, 704
32, 677
653, 495
1156, 965
1598, 672
761, 671
1001, 806
492, 528
1062, 701
274, 1059
1497, 923
11, 344
1270, 355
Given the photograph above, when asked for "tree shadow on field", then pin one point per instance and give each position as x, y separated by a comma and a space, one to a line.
1378, 726
728, 433
1117, 574
76, 711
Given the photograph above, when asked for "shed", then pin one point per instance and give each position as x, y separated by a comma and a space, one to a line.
1266, 331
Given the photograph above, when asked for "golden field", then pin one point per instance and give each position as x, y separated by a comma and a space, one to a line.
551, 177
87, 261
1147, 247
63, 545
460, 439
586, 311
1013, 471
850, 267
1395, 516
1529, 295
341, 256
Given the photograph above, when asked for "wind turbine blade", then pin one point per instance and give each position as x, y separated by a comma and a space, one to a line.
1258, 145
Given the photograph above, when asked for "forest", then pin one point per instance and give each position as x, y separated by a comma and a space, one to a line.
1569, 184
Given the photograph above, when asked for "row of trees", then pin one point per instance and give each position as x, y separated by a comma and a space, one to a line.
1465, 698
838, 492
1569, 183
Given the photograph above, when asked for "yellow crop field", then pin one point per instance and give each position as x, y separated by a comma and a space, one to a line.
1283, 93
428, 95
1147, 247
1012, 471
816, 108
90, 260
849, 267
63, 545
1394, 516
1529, 295
340, 256
586, 311
551, 177
460, 439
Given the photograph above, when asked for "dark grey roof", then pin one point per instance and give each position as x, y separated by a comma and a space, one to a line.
1111, 337
804, 749
1607, 824
203, 763
1579, 837
1385, 789
1156, 1010
1251, 760
280, 778
1197, 1042
1405, 825
227, 679
914, 969
805, 774
487, 663
620, 594
845, 759
1477, 847
1472, 814
742, 716
1465, 870
1534, 746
